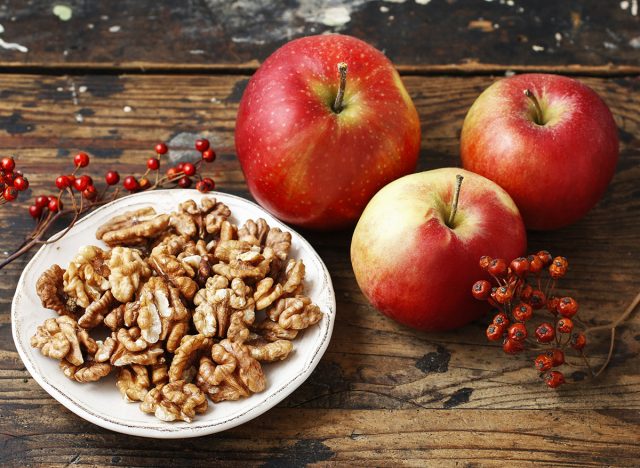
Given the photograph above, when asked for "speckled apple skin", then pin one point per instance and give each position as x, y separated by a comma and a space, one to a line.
414, 268
554, 172
303, 162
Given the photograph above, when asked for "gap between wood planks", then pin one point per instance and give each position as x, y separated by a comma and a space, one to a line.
471, 68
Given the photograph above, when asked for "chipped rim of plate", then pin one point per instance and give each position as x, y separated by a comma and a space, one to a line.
200, 427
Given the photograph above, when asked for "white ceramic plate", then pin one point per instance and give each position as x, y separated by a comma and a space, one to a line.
100, 402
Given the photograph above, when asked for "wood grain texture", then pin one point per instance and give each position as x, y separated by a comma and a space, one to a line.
427, 36
383, 394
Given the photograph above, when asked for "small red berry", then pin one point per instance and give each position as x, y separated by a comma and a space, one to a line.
202, 186
543, 362
49, 198
512, 346
189, 169
41, 201
184, 182
62, 182
545, 257
10, 193
494, 332
210, 183
518, 332
161, 148
35, 211
202, 145
7, 178
82, 182
55, 205
545, 332
558, 267
209, 155
81, 159
21, 183
7, 164
526, 292
503, 294
481, 290
144, 183
552, 305
501, 319
172, 173
153, 164
112, 177
130, 183
522, 312
520, 266
565, 325
535, 264
90, 192
537, 299
567, 307
578, 341
484, 262
557, 355
180, 166
497, 267
554, 379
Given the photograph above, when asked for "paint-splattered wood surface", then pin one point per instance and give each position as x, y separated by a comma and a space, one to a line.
424, 36
383, 394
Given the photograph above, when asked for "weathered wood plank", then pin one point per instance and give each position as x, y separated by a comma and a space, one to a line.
420, 36
365, 437
382, 393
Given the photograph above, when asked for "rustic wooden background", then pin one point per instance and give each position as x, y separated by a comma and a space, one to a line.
118, 76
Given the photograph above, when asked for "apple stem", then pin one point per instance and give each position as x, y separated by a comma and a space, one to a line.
536, 106
337, 105
456, 196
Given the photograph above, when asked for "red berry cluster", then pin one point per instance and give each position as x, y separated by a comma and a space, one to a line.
517, 301
181, 174
11, 181
73, 183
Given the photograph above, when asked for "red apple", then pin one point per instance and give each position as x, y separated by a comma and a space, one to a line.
553, 151
417, 267
305, 160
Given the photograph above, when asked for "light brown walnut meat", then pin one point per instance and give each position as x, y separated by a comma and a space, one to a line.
254, 232
90, 371
177, 273
125, 315
86, 278
231, 373
159, 373
196, 222
227, 250
175, 401
133, 382
267, 292
106, 349
295, 313
123, 357
50, 289
270, 352
162, 312
249, 265
61, 338
217, 303
294, 276
189, 351
131, 339
95, 313
128, 271
272, 331
133, 228
279, 241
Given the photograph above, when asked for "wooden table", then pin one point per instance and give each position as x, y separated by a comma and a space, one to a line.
118, 76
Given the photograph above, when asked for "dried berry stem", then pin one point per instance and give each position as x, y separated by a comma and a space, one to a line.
456, 196
536, 105
337, 105
612, 326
